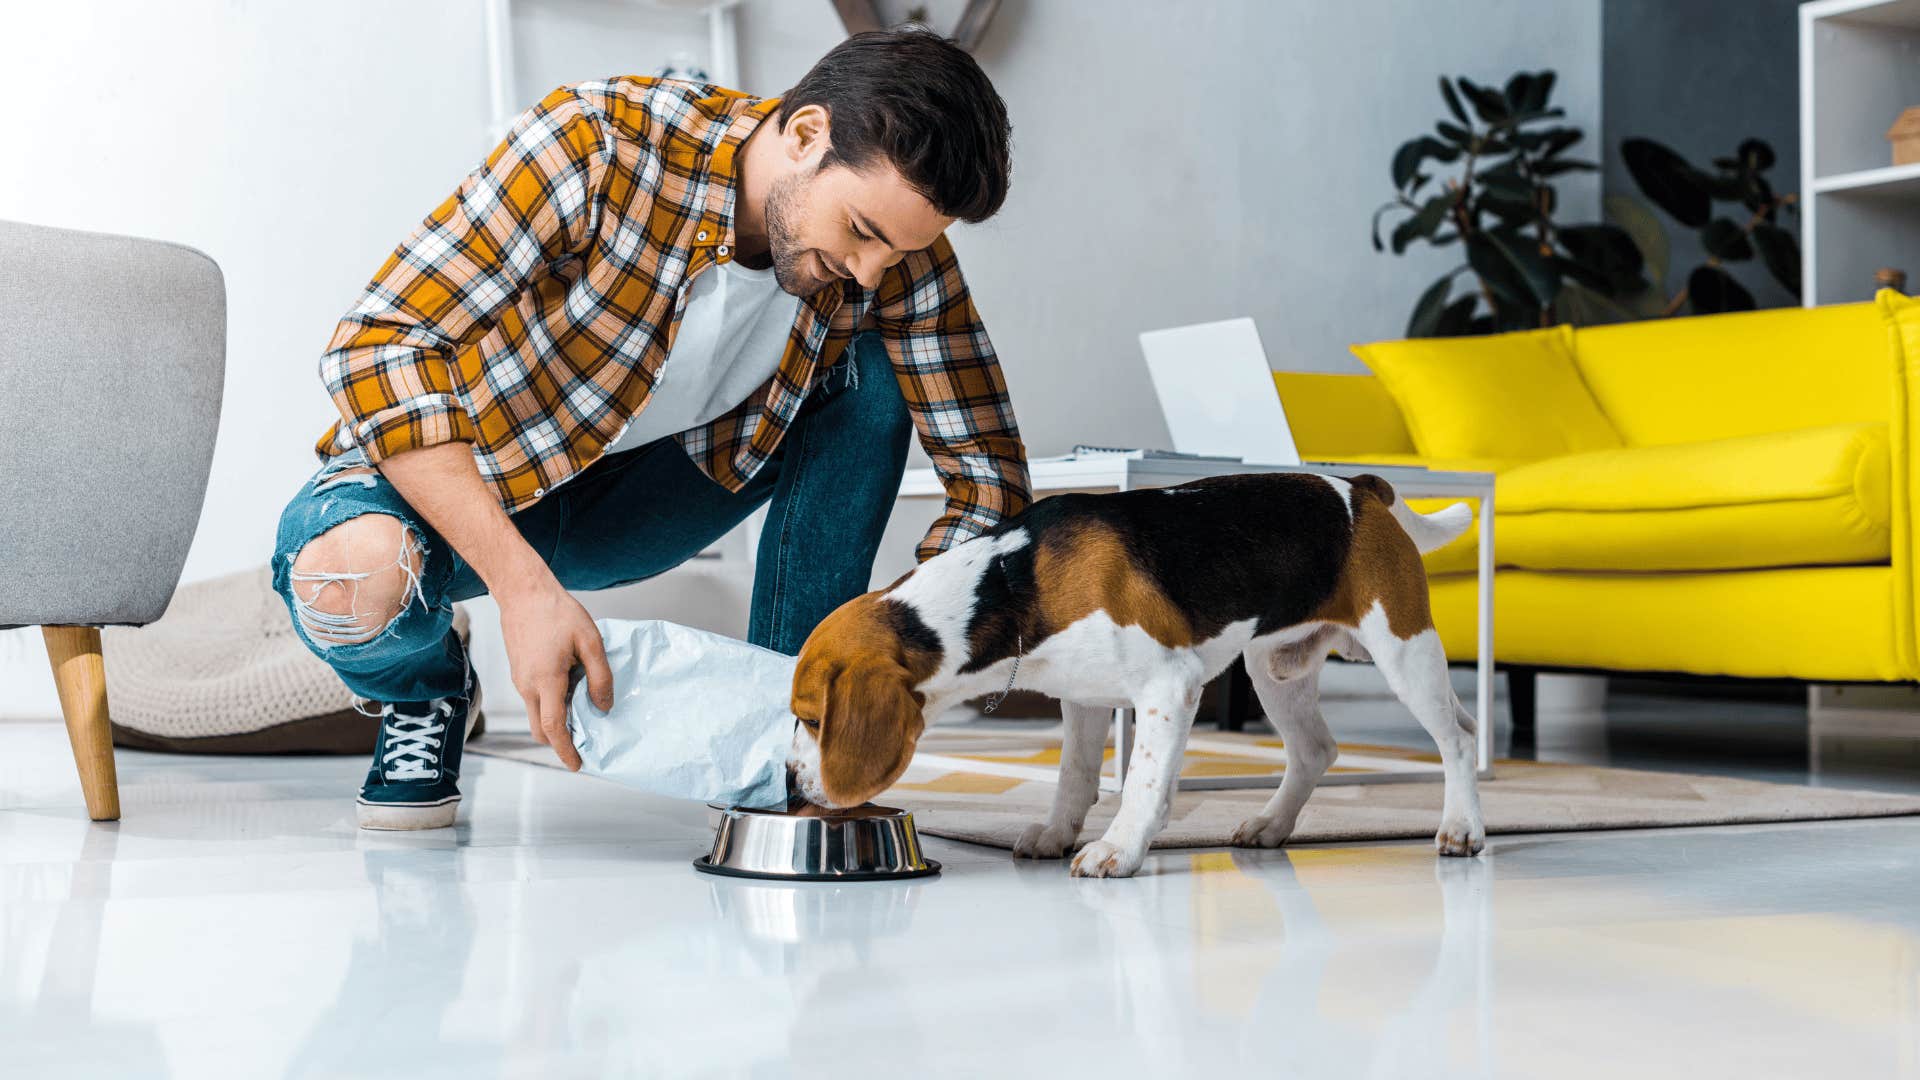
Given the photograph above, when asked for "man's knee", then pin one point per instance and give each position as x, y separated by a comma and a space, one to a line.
350, 582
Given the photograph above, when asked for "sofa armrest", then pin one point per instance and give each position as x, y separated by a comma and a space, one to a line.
1335, 417
1901, 316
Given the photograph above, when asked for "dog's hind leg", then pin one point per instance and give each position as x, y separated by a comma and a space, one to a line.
1287, 680
1416, 670
1083, 742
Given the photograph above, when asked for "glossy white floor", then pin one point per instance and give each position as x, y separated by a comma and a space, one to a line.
236, 924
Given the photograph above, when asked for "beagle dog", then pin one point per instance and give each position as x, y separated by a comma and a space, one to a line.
1138, 598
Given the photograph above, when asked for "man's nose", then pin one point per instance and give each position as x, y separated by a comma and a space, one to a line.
866, 269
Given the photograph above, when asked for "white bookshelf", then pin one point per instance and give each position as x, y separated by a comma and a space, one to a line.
1859, 68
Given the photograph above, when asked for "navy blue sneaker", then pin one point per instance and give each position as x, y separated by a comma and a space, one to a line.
415, 779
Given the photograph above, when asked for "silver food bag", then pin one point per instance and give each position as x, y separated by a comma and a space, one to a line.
695, 715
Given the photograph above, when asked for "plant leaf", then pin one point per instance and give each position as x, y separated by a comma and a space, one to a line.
1582, 306
1377, 245
1667, 179
1406, 162
1488, 104
1725, 240
1755, 192
1755, 155
1453, 101
1506, 178
1457, 318
1781, 252
1426, 310
1423, 222
1542, 90
1563, 165
1712, 290
1455, 133
1549, 141
1517, 119
1647, 233
1610, 259
1407, 159
1512, 269
1518, 92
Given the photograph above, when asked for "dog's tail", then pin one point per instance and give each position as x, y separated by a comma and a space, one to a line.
1429, 532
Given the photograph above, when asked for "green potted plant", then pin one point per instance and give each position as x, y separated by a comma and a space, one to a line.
1526, 269
1689, 195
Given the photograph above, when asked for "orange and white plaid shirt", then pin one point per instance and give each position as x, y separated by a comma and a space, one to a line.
530, 314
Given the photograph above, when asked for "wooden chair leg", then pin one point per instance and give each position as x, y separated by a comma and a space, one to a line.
81, 677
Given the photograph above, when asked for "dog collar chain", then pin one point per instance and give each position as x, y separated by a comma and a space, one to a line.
1019, 647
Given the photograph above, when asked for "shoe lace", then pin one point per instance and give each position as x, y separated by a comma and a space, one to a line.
412, 743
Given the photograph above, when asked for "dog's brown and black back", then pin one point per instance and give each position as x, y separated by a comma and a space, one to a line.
1182, 562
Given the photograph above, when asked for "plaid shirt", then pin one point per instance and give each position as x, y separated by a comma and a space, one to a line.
530, 314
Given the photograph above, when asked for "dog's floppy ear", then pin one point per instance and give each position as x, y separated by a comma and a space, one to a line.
869, 723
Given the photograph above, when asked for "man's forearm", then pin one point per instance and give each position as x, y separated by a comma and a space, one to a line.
444, 485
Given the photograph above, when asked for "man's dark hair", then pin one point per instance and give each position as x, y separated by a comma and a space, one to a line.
920, 102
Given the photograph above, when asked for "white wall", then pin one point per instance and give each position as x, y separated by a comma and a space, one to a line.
1174, 162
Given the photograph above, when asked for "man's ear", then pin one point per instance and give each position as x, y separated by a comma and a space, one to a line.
867, 733
807, 130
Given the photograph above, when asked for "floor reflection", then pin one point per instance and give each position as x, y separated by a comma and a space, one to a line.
50, 971
403, 979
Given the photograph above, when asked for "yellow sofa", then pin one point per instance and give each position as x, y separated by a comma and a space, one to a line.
1750, 513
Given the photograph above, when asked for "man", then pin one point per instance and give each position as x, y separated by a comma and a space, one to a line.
656, 306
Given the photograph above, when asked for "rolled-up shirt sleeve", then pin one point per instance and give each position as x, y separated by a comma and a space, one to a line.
536, 198
955, 392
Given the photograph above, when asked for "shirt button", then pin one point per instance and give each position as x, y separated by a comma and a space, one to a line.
721, 251
701, 235
537, 492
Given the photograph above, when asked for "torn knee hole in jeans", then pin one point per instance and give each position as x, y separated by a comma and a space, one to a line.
328, 628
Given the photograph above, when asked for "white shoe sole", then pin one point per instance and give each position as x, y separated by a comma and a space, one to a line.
390, 817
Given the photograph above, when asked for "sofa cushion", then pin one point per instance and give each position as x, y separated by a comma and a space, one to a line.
1666, 381
1501, 396
1817, 496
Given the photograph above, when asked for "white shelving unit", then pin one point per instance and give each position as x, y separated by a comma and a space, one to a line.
1859, 68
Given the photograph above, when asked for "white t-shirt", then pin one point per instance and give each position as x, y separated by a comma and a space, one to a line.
732, 334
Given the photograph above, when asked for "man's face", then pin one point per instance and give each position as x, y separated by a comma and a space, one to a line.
825, 224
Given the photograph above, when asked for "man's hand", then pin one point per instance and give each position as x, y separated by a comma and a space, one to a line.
547, 632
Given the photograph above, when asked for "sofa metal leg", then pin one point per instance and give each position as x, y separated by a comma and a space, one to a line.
1521, 697
80, 675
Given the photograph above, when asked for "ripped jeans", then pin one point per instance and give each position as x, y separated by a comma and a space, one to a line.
627, 517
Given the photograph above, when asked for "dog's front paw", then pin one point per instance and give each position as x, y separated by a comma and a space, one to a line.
1261, 832
1101, 859
1460, 838
1043, 841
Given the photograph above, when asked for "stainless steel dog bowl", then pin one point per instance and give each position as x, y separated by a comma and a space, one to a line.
866, 843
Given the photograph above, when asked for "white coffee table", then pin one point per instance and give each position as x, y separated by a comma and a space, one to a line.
1052, 477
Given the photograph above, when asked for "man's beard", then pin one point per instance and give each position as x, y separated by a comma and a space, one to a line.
782, 245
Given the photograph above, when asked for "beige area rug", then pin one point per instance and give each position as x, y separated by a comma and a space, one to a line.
951, 800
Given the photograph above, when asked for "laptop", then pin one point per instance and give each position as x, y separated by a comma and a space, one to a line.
1217, 394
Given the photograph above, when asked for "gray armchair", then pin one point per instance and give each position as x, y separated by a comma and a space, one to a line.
112, 354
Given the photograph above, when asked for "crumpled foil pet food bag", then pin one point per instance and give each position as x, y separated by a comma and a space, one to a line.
695, 715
